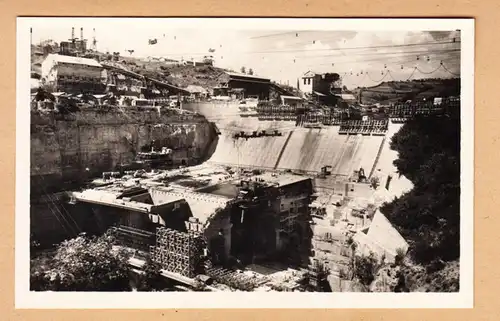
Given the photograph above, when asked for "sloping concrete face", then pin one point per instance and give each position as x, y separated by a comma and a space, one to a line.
384, 233
382, 239
311, 149
259, 152
298, 148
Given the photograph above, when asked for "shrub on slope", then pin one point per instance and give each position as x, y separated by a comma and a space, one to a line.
429, 215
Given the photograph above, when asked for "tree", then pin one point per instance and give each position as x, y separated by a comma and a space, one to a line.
375, 182
365, 269
429, 215
151, 279
83, 264
250, 71
243, 70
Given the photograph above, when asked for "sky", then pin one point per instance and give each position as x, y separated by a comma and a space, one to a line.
282, 55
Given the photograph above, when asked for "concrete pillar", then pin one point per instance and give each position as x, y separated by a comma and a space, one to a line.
389, 178
227, 239
278, 239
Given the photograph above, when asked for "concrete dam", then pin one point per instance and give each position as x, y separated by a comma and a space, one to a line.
298, 149
75, 147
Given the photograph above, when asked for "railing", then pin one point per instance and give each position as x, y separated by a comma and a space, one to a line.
408, 110
370, 127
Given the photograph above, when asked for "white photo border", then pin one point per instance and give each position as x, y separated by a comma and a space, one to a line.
25, 299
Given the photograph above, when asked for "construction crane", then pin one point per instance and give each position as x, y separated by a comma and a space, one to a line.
326, 170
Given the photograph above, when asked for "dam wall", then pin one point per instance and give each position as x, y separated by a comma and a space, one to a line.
310, 149
298, 149
69, 148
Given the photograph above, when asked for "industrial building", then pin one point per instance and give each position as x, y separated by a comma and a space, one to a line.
252, 218
122, 85
72, 74
75, 46
322, 87
323, 83
241, 86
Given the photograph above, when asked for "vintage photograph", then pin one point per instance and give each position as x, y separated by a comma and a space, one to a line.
227, 158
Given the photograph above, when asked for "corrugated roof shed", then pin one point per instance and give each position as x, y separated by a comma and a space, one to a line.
202, 205
73, 60
291, 97
110, 198
234, 74
347, 96
281, 179
196, 89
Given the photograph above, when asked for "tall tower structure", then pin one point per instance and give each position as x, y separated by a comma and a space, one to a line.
94, 41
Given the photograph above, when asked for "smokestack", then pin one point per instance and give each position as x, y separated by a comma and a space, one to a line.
81, 34
72, 34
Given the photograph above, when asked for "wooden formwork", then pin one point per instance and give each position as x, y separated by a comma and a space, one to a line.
408, 110
370, 127
233, 279
132, 237
178, 252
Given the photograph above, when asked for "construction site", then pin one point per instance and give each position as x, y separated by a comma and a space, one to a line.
264, 189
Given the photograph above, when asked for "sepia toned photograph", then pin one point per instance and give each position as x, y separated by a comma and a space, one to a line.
181, 156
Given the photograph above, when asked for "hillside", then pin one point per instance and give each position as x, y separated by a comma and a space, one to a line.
207, 77
428, 216
395, 91
175, 74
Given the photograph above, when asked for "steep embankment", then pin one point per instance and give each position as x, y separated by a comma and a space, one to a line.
385, 167
428, 216
298, 148
69, 148
394, 91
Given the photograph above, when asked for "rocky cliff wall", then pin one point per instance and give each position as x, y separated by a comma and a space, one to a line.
68, 148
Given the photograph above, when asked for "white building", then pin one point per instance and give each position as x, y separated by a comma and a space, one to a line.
306, 84
72, 74
320, 84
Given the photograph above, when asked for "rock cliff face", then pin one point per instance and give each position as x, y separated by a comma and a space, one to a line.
68, 148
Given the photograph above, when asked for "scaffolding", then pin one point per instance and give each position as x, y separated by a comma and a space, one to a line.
178, 252
399, 112
132, 237
287, 222
234, 279
369, 127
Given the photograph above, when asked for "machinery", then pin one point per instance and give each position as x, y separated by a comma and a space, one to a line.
255, 134
326, 171
155, 159
361, 175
